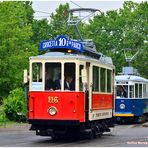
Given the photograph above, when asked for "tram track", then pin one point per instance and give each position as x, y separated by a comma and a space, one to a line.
124, 135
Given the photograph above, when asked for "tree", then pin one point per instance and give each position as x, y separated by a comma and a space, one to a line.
45, 30
41, 31
118, 30
15, 44
112, 32
58, 20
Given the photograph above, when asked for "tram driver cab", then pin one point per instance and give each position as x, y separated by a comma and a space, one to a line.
122, 91
53, 76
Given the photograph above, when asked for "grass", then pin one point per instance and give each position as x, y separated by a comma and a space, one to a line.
4, 122
11, 124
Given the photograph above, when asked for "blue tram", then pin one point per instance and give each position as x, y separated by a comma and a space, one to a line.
131, 103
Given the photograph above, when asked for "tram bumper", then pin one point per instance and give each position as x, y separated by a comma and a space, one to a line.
50, 132
53, 127
124, 115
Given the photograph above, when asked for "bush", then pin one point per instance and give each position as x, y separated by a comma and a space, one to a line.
15, 105
2, 115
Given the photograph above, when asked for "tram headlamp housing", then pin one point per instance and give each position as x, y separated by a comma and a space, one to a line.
122, 106
52, 110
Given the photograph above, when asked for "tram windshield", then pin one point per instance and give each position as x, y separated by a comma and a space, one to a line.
54, 79
122, 91
53, 76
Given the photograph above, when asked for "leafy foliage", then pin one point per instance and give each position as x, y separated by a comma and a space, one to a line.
15, 45
15, 105
118, 30
58, 21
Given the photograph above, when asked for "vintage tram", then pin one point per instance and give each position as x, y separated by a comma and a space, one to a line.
86, 105
71, 87
131, 103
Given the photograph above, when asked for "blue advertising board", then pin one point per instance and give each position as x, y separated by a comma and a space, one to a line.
62, 42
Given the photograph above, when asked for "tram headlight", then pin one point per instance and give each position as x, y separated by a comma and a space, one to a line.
52, 110
122, 106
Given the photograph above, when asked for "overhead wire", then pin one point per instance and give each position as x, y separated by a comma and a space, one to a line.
42, 12
75, 4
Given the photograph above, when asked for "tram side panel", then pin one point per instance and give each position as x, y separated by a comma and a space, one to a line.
130, 108
102, 101
102, 106
124, 107
69, 106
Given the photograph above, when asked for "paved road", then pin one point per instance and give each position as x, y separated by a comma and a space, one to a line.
121, 136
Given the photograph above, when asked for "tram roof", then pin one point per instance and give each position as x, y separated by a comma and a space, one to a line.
130, 78
64, 55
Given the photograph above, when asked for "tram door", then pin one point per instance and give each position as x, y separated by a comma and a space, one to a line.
87, 88
88, 93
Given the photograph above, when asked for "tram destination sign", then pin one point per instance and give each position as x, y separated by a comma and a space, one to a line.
62, 42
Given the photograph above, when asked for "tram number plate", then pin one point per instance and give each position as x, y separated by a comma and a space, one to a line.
102, 114
53, 99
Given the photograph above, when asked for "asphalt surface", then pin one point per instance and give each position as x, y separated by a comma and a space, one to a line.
121, 136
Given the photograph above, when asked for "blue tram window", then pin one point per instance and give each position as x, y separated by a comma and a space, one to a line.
122, 91
140, 90
131, 91
136, 90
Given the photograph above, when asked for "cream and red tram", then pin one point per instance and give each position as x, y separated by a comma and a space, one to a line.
86, 105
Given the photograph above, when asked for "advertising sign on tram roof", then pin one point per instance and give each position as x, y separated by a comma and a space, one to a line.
62, 42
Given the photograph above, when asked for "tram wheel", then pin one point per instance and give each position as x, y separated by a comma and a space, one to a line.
92, 134
139, 119
54, 137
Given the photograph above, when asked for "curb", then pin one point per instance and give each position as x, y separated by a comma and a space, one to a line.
145, 124
14, 127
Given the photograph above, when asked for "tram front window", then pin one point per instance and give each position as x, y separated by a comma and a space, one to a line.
37, 77
53, 76
69, 76
54, 79
122, 91
37, 72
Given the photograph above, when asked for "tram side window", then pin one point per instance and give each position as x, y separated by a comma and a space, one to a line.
131, 91
95, 78
144, 90
80, 78
136, 90
140, 90
37, 72
53, 76
109, 79
69, 76
122, 91
102, 79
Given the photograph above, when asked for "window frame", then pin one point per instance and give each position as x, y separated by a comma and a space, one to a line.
97, 80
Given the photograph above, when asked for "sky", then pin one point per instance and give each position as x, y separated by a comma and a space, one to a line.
50, 6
